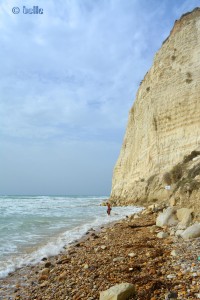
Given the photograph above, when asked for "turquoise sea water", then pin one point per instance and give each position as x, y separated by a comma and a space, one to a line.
32, 227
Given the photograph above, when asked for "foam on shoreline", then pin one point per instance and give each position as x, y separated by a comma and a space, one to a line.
56, 244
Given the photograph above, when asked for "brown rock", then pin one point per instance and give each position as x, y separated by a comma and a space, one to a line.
45, 283
45, 271
62, 276
42, 278
47, 264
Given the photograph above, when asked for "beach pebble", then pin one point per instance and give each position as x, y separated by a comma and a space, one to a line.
179, 232
44, 259
153, 229
171, 276
45, 283
198, 296
136, 216
85, 266
103, 247
45, 271
90, 272
174, 253
132, 254
171, 296
62, 276
116, 259
47, 264
162, 235
42, 278
64, 261
117, 292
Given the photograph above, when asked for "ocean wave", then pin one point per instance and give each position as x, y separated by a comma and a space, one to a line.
55, 244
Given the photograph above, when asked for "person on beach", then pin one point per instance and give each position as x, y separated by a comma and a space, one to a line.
108, 208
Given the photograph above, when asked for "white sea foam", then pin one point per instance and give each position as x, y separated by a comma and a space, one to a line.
40, 227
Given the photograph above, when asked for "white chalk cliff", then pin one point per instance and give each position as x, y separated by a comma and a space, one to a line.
164, 122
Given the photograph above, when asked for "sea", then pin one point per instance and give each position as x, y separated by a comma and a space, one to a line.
34, 227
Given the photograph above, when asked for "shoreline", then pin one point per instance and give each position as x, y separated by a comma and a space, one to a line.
126, 250
54, 244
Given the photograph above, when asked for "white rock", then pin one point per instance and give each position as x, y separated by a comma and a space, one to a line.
197, 178
174, 253
172, 232
171, 276
132, 254
198, 296
86, 266
136, 216
146, 212
162, 235
179, 232
184, 216
103, 247
196, 158
167, 218
181, 226
118, 292
191, 232
121, 258
153, 207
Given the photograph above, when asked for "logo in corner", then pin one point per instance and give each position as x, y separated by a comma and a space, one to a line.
15, 10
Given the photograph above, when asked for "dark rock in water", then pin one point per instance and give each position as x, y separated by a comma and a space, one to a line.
44, 259
94, 235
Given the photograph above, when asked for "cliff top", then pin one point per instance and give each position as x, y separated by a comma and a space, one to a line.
183, 20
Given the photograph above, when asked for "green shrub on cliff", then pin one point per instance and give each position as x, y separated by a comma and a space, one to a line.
194, 171
192, 155
167, 178
176, 173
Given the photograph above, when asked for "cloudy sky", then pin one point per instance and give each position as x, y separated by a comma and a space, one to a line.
68, 78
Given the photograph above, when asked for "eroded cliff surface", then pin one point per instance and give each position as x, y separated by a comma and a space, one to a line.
164, 122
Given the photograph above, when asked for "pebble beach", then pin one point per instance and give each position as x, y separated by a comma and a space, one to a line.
126, 251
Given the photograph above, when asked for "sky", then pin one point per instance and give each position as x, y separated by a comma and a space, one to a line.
68, 78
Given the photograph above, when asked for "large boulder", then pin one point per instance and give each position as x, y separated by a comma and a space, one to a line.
120, 291
191, 232
184, 216
167, 218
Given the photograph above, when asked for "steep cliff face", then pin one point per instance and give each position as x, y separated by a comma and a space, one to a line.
164, 122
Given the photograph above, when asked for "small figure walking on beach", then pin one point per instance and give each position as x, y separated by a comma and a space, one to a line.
108, 208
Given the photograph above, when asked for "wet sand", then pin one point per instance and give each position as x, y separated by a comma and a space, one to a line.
125, 251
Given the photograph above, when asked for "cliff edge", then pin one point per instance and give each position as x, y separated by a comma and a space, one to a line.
164, 122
